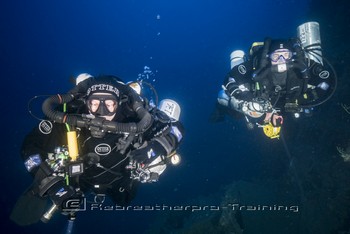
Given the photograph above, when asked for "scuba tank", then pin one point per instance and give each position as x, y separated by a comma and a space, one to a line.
309, 35
171, 108
310, 39
237, 57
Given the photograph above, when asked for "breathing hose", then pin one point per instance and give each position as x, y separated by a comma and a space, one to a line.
50, 103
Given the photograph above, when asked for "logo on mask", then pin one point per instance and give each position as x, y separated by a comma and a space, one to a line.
103, 88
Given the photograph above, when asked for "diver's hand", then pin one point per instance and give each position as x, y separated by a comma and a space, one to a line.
275, 119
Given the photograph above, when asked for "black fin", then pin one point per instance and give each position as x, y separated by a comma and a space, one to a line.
218, 114
28, 209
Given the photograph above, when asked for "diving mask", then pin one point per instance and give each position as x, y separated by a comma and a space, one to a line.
102, 105
281, 55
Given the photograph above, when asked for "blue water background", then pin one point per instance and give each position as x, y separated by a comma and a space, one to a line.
186, 44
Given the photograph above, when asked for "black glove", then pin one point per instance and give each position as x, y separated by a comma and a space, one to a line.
60, 192
276, 120
148, 153
91, 159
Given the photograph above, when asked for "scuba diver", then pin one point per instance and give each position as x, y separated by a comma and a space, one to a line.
279, 76
100, 139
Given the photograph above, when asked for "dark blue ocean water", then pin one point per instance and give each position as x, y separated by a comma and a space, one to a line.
186, 43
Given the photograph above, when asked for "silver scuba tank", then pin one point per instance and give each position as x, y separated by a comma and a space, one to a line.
237, 57
309, 35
